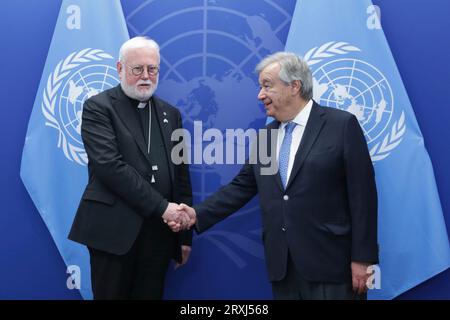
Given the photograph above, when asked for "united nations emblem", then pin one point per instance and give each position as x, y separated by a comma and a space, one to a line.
76, 78
360, 88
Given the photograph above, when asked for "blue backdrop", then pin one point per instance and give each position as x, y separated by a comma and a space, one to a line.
30, 264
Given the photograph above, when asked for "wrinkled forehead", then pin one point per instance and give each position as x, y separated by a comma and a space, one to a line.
270, 73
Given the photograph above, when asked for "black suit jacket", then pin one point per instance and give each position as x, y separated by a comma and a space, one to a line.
326, 217
119, 194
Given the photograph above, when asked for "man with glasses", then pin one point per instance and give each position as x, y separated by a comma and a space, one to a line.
133, 184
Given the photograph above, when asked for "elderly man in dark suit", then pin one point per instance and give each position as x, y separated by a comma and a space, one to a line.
319, 211
133, 184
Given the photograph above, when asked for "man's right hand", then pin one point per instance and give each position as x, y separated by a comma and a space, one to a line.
190, 212
176, 219
187, 218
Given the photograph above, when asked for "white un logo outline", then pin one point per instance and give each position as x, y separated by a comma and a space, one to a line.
387, 135
243, 68
56, 96
364, 92
237, 69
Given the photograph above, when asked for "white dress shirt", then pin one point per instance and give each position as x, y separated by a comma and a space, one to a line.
300, 119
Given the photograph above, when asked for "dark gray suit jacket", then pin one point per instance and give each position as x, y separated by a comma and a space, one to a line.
326, 217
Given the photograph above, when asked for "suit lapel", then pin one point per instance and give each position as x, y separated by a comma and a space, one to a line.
125, 108
312, 130
166, 129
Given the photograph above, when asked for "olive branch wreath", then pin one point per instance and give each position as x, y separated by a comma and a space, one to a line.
393, 138
54, 82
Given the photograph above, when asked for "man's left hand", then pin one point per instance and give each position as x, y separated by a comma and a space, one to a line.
360, 276
185, 252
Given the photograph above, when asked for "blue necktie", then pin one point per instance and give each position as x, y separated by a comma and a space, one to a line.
285, 150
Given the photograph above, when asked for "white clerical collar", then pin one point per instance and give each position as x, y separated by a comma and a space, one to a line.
142, 105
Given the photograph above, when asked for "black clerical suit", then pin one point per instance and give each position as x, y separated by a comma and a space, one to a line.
130, 185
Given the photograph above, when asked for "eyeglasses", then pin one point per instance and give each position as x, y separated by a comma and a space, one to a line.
139, 70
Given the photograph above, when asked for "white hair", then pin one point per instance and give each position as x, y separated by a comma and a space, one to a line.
292, 67
137, 43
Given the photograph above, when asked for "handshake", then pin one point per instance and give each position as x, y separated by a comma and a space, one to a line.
179, 216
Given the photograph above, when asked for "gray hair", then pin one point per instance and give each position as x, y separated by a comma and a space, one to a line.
292, 67
137, 43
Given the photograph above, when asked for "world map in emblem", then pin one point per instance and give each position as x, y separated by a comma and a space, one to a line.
208, 56
74, 79
359, 88
80, 86
209, 51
